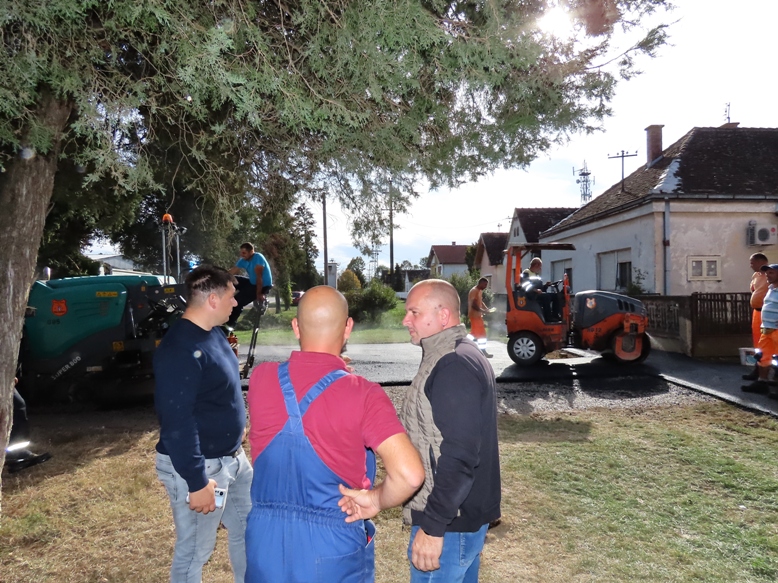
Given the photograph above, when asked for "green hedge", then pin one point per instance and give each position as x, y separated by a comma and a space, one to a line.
369, 303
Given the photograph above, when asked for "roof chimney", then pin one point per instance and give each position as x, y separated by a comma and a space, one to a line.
653, 144
730, 125
453, 242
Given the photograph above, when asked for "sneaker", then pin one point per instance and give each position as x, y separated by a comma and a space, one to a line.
760, 387
752, 376
486, 354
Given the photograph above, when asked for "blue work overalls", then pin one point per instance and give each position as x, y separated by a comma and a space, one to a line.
296, 532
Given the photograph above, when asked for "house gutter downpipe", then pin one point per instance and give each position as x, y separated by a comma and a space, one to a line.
666, 245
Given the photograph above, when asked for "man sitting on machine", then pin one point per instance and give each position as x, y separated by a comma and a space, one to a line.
255, 286
535, 289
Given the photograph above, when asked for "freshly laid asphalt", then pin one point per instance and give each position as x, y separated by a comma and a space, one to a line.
396, 364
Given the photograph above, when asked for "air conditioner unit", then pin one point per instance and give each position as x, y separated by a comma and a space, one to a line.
758, 234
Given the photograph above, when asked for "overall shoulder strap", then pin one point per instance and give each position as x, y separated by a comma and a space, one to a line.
319, 388
290, 399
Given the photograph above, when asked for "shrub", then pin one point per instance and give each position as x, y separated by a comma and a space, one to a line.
348, 281
286, 295
635, 287
368, 304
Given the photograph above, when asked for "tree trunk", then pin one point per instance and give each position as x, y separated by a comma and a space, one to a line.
25, 191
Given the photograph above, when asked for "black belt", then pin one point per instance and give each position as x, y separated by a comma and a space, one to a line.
758, 309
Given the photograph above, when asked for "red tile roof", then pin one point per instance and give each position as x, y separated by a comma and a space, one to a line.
449, 254
493, 244
726, 162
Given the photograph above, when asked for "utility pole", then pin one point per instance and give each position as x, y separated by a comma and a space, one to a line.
391, 228
622, 156
324, 224
391, 231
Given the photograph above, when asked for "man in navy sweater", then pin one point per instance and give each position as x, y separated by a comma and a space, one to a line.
202, 419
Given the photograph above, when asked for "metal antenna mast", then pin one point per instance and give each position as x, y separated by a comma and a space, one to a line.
585, 183
726, 111
622, 156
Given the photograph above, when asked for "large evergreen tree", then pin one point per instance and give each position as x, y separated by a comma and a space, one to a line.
333, 95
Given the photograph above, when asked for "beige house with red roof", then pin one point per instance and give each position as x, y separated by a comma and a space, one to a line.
686, 221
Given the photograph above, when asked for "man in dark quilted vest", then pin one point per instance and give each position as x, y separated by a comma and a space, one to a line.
450, 415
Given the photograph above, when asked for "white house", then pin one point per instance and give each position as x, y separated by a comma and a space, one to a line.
116, 264
446, 260
686, 221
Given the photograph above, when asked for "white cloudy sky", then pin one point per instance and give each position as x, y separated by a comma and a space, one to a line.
720, 52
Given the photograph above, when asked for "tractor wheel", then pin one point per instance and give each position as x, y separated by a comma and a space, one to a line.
525, 348
645, 350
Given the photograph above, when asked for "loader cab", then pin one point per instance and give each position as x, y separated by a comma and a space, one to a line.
530, 335
522, 301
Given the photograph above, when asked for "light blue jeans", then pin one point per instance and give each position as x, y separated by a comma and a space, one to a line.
459, 561
196, 532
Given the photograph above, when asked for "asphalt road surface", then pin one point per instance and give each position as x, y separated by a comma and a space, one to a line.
585, 379
396, 364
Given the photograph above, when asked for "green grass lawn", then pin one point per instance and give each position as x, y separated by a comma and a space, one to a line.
677, 495
276, 328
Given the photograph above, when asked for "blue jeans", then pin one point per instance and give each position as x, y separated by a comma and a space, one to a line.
459, 561
196, 532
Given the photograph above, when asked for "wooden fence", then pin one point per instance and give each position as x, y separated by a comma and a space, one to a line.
703, 324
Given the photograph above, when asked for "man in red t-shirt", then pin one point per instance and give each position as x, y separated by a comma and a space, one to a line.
311, 455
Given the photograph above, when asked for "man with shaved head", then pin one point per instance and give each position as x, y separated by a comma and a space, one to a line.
314, 430
450, 414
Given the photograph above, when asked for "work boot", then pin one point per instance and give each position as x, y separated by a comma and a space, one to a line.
486, 354
23, 460
753, 375
760, 387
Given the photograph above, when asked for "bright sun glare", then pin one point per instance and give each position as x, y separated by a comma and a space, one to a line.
556, 22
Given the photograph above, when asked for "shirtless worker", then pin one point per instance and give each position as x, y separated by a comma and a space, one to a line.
758, 289
476, 308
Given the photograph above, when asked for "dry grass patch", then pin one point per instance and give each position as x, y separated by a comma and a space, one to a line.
682, 494
96, 511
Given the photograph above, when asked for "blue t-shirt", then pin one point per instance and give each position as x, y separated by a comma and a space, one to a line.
250, 264
770, 309
198, 399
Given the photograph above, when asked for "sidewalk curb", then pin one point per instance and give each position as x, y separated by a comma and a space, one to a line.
718, 394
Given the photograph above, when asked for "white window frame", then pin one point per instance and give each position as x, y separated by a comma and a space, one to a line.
559, 267
705, 259
610, 260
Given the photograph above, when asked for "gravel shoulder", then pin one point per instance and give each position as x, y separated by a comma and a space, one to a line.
578, 395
